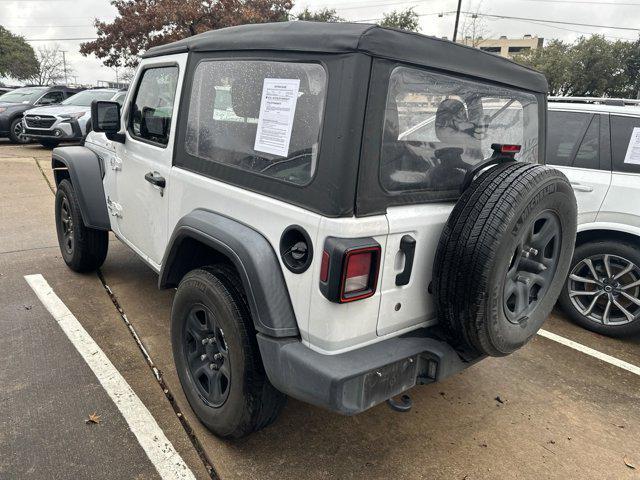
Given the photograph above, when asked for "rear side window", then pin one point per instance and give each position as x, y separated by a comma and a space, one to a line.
625, 143
588, 154
437, 127
259, 116
152, 107
564, 134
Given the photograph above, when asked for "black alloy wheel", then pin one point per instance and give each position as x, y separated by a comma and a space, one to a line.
533, 266
207, 355
66, 225
16, 134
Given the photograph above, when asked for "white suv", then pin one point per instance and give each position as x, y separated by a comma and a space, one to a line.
346, 211
596, 144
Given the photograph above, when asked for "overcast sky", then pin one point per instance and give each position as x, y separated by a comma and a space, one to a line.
61, 19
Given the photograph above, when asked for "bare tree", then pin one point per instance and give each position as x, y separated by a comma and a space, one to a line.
474, 26
50, 66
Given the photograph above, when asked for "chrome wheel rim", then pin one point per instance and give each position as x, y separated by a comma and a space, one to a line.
606, 289
207, 355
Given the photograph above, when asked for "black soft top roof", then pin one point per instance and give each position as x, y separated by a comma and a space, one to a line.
358, 37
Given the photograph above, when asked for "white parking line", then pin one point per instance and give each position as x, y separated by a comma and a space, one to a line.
158, 448
591, 352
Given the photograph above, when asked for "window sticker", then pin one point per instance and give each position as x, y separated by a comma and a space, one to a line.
277, 109
633, 150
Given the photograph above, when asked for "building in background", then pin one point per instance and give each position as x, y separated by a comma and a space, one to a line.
506, 47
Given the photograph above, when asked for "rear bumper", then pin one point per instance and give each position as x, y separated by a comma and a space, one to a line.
354, 381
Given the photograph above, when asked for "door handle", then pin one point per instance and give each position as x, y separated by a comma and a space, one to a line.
408, 247
156, 179
581, 187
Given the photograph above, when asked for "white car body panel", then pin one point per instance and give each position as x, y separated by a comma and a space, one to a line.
143, 223
607, 200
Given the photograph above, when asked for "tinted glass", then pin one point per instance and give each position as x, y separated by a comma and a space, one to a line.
564, 130
588, 155
625, 150
84, 99
152, 108
437, 127
263, 117
51, 98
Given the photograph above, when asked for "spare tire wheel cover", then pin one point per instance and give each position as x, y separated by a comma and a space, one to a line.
503, 257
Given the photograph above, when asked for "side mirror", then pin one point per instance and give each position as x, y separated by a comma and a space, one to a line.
105, 117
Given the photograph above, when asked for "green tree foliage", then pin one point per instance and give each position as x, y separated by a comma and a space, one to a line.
17, 58
322, 15
591, 66
403, 19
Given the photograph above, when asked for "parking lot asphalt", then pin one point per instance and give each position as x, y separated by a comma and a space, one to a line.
547, 411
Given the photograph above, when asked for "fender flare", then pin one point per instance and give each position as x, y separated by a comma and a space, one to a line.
252, 255
86, 172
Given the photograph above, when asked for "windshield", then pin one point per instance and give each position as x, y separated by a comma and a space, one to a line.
437, 127
84, 99
23, 95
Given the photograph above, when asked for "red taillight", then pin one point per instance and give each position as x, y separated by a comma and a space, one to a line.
510, 148
360, 274
324, 267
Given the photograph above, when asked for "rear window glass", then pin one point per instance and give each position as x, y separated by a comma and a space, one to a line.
259, 116
565, 130
437, 127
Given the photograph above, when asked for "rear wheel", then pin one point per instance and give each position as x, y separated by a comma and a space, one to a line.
83, 249
15, 132
602, 291
503, 257
217, 357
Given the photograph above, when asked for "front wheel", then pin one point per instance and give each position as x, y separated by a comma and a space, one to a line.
83, 249
15, 132
602, 292
217, 357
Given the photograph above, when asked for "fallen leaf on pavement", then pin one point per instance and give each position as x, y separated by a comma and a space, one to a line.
498, 399
93, 418
628, 464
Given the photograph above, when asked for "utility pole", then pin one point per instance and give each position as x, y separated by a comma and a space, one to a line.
64, 65
455, 29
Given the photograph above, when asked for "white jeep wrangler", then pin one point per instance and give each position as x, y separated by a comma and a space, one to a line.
345, 210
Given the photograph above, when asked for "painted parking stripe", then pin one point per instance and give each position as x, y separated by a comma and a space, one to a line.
591, 352
158, 448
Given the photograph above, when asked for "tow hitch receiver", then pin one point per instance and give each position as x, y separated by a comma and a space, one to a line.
403, 404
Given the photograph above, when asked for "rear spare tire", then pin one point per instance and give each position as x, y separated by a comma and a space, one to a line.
503, 257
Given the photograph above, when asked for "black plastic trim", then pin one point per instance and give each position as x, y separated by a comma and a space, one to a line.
341, 383
408, 247
251, 254
86, 177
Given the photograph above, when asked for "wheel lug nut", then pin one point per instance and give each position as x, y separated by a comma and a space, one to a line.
205, 341
203, 357
213, 366
217, 356
212, 340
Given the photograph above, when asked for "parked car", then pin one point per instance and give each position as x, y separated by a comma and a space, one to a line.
68, 121
596, 143
316, 251
14, 103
